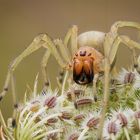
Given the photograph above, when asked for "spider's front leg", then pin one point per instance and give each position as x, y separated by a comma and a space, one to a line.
69, 40
40, 41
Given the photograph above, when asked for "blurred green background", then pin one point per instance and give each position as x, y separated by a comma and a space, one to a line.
22, 20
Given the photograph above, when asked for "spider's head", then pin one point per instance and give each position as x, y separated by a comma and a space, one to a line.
83, 72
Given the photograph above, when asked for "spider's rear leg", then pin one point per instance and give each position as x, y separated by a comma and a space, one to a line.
132, 45
124, 39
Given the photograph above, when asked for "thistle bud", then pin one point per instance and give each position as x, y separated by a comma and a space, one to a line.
129, 78
52, 136
137, 114
112, 128
52, 121
73, 136
74, 94
79, 118
122, 118
50, 102
66, 115
82, 102
35, 106
93, 122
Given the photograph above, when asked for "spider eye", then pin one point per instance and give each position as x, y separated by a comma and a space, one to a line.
82, 53
83, 72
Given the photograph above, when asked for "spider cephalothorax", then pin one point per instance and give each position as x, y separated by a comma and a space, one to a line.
86, 63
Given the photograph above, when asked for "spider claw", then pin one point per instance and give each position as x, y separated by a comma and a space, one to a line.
95, 98
13, 123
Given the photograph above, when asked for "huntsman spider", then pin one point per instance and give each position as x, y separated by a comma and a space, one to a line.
91, 53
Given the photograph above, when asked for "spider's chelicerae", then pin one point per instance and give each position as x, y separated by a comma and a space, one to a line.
91, 53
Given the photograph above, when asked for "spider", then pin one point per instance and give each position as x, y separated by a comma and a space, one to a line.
87, 57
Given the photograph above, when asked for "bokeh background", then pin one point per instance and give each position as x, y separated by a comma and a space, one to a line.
22, 20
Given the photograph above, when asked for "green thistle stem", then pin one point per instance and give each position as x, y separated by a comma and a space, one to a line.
83, 133
30, 122
137, 108
137, 137
48, 133
41, 123
139, 124
126, 133
105, 99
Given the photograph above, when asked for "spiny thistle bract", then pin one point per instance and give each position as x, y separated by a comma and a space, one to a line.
74, 115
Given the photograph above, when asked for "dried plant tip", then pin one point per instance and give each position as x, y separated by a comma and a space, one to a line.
37, 119
1, 98
2, 134
52, 136
61, 73
93, 122
73, 136
112, 128
137, 114
79, 118
60, 79
47, 83
129, 78
82, 102
74, 94
78, 92
122, 118
66, 115
13, 123
35, 107
50, 102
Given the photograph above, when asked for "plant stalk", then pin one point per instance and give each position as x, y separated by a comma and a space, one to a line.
126, 133
105, 99
83, 133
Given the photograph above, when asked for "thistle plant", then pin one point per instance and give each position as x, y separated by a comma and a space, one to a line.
71, 113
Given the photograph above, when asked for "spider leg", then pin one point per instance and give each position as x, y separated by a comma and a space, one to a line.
36, 44
120, 24
14, 100
111, 44
128, 42
44, 63
72, 37
135, 57
63, 49
41, 40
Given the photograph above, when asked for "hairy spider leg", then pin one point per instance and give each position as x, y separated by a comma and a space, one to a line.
111, 44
